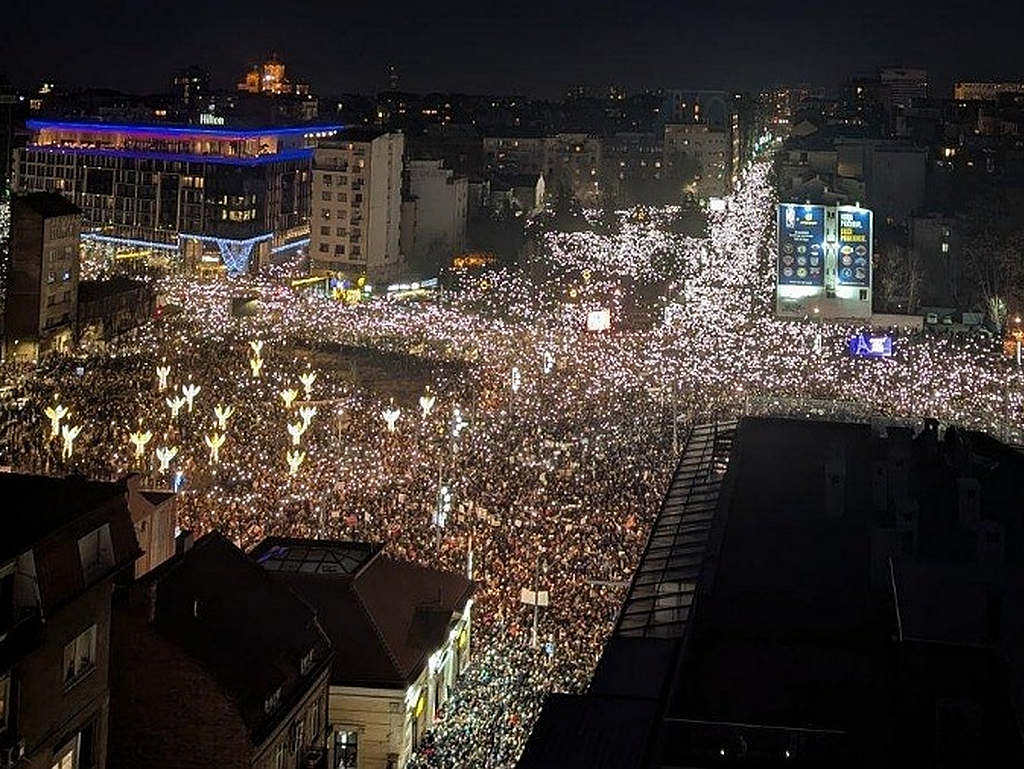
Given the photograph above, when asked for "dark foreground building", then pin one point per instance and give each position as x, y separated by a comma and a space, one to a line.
815, 594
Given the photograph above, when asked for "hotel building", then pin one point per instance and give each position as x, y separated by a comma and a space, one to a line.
224, 197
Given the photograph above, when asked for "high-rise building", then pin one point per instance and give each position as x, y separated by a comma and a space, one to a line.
215, 196
192, 88
357, 205
435, 229
42, 280
984, 91
901, 85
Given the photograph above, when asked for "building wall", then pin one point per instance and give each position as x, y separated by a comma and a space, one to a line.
440, 213
384, 207
51, 714
936, 243
306, 719
709, 149
42, 292
167, 712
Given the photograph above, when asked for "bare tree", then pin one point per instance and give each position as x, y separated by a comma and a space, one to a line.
993, 247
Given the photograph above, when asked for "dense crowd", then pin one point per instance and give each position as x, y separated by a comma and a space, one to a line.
555, 444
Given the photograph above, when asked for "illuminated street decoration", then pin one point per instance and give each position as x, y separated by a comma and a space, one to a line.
426, 404
458, 423
289, 396
517, 379
162, 372
390, 416
139, 439
190, 391
307, 413
294, 460
256, 345
296, 431
307, 380
55, 414
214, 441
223, 413
69, 434
255, 364
164, 455
175, 404
547, 362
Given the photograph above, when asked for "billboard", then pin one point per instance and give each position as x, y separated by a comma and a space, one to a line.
871, 345
853, 259
599, 320
801, 258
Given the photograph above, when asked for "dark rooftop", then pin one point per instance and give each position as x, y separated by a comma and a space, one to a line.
384, 617
47, 204
92, 290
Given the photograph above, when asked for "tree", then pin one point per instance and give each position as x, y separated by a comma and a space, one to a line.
992, 248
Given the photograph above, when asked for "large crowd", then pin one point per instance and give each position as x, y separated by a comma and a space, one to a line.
553, 444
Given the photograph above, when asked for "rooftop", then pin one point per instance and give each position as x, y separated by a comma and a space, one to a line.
48, 204
178, 130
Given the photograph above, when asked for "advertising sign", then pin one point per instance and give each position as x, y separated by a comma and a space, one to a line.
801, 245
853, 265
871, 345
599, 320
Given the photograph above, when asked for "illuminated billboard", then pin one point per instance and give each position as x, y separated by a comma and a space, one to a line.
871, 345
599, 320
853, 240
801, 256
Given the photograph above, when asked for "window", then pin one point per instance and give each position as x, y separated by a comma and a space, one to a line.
339, 231
271, 702
346, 750
325, 230
328, 179
945, 248
67, 757
325, 195
342, 197
325, 213
324, 248
339, 249
96, 552
80, 656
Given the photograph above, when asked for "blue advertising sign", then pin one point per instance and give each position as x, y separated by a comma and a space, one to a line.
871, 345
853, 258
801, 245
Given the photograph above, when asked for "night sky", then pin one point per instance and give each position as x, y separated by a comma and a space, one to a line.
535, 49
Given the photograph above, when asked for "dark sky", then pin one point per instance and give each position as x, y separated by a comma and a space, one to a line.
523, 47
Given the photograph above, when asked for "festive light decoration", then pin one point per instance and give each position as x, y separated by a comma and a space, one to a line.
223, 413
55, 414
162, 372
175, 404
69, 434
256, 345
458, 423
307, 413
255, 364
390, 416
294, 460
164, 455
139, 439
190, 391
289, 396
214, 441
517, 379
426, 404
296, 431
307, 380
547, 362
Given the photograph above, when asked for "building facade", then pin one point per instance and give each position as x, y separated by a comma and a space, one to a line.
42, 282
216, 666
434, 230
984, 91
401, 634
570, 162
357, 205
700, 152
57, 569
109, 308
224, 197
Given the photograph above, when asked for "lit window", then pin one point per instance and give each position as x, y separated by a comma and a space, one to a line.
945, 248
96, 552
346, 749
66, 757
80, 656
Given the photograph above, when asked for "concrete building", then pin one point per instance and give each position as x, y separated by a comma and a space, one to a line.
570, 161
901, 86
109, 308
216, 666
357, 205
700, 152
401, 634
219, 197
935, 241
42, 282
517, 194
60, 554
433, 225
633, 170
903, 650
893, 173
967, 90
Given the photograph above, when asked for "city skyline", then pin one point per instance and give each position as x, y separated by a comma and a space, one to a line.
524, 51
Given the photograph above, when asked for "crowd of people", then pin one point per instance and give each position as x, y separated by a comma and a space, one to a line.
555, 444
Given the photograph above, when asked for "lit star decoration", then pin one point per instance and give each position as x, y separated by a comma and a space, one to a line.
190, 391
214, 441
289, 396
426, 404
294, 460
255, 365
162, 372
55, 414
222, 414
296, 431
307, 413
139, 439
175, 404
69, 434
164, 455
307, 380
390, 416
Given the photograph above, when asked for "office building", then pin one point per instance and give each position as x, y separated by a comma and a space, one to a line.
814, 594
221, 197
357, 205
401, 634
62, 547
216, 665
969, 90
433, 222
42, 282
698, 156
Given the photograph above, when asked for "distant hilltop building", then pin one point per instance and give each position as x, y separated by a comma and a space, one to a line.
269, 78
